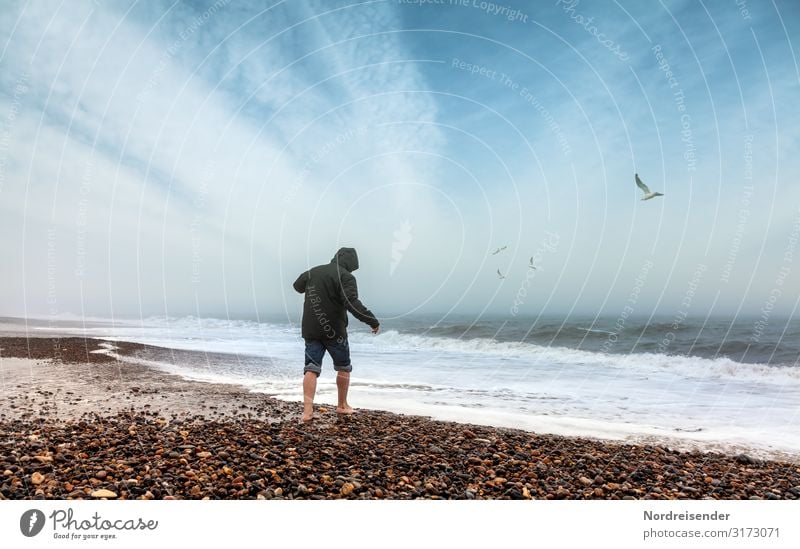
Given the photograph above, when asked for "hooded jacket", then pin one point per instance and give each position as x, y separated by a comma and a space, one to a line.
331, 291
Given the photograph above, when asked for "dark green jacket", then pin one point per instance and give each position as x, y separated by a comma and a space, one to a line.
331, 291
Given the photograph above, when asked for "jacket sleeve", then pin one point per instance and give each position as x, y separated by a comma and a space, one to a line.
353, 304
301, 282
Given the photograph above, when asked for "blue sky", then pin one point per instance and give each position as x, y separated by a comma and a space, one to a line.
194, 157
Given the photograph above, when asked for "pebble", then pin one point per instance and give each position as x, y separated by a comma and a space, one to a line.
247, 459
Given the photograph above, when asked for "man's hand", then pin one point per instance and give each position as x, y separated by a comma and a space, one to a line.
376, 329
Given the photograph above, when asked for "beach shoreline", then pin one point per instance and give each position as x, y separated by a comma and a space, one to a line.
75, 420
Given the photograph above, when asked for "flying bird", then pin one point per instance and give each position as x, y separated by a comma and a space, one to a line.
498, 250
648, 194
531, 265
500, 275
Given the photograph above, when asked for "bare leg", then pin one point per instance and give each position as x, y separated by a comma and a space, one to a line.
342, 385
309, 388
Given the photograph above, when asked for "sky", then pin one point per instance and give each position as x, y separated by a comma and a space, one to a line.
193, 158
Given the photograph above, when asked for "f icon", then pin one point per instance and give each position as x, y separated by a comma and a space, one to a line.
31, 522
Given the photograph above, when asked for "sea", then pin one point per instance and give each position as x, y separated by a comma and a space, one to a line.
711, 383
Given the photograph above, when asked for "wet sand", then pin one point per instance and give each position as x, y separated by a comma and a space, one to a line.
78, 423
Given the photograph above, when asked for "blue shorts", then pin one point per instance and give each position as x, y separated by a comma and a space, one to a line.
339, 351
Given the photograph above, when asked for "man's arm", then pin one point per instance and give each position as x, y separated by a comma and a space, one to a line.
354, 305
301, 282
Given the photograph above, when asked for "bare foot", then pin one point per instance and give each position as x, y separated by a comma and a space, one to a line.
345, 410
307, 418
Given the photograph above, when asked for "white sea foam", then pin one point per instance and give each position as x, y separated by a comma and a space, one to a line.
688, 366
712, 402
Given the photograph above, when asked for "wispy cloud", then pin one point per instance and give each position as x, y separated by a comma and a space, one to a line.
130, 116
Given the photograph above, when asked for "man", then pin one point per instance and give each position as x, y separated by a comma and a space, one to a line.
330, 291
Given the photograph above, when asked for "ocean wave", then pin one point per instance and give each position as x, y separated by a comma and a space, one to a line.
282, 340
687, 366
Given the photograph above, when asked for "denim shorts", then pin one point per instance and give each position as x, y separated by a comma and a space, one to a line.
338, 350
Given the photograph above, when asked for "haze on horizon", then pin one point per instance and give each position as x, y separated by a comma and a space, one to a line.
162, 158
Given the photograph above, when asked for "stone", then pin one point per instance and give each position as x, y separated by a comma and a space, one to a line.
103, 493
744, 459
347, 488
37, 478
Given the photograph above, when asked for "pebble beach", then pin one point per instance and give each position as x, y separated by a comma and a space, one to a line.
78, 423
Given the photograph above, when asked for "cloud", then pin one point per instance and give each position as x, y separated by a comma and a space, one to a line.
180, 158
163, 140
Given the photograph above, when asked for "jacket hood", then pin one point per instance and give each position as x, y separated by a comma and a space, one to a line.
347, 258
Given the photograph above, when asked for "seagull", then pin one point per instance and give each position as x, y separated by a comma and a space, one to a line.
531, 265
498, 250
648, 194
500, 275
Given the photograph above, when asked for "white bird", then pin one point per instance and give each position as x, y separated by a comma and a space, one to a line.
498, 250
500, 275
648, 194
531, 265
